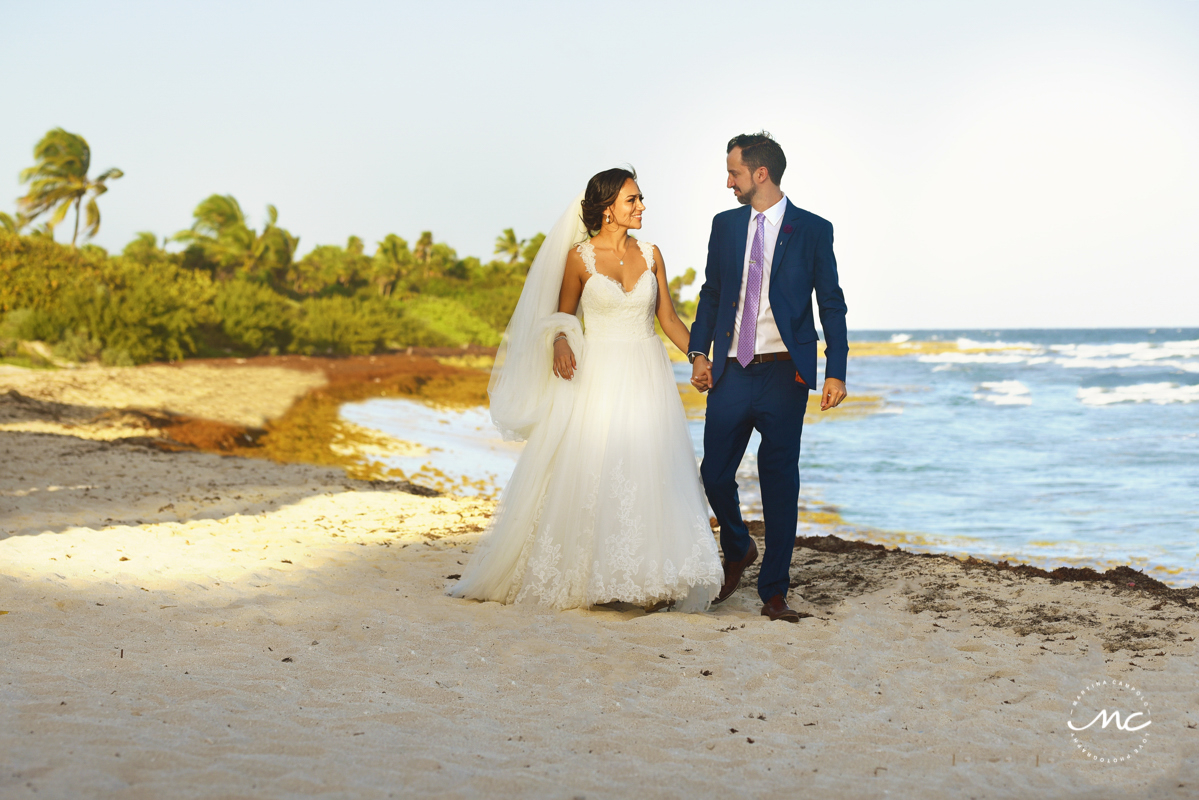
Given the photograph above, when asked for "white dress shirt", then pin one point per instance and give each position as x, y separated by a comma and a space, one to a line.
767, 339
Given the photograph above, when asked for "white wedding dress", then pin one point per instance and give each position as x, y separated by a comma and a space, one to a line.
611, 508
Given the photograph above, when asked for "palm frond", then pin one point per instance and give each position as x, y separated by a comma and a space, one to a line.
217, 214
93, 219
44, 196
59, 215
59, 154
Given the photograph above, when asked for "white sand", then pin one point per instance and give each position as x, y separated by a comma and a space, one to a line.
246, 395
180, 562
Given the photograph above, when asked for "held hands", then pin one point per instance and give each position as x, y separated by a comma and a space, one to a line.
564, 359
701, 373
701, 379
834, 393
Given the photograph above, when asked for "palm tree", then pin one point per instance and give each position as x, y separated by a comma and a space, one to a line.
531, 248
12, 224
507, 244
59, 180
423, 250
214, 216
274, 249
393, 263
221, 233
424, 245
220, 230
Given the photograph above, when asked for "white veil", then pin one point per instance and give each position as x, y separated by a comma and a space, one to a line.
528, 403
523, 386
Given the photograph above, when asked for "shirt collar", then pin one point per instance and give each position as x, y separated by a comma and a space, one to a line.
774, 213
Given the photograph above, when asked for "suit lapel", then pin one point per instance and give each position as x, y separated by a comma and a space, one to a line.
790, 219
739, 232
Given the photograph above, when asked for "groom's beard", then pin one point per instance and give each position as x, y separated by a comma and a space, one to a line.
745, 198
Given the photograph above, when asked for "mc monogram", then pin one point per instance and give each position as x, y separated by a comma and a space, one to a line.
1109, 721
1126, 725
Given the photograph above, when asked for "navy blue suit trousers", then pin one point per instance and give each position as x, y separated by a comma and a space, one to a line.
765, 397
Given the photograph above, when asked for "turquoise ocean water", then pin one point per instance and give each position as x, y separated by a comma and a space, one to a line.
1051, 447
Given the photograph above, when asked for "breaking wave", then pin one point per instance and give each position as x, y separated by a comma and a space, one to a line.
1156, 393
1004, 393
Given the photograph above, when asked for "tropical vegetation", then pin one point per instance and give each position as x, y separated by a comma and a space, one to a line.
225, 287
59, 180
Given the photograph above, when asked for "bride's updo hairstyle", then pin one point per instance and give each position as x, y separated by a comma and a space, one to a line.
602, 191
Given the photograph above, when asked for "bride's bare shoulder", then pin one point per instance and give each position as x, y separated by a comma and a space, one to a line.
574, 262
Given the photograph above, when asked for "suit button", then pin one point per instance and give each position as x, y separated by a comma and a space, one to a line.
729, 334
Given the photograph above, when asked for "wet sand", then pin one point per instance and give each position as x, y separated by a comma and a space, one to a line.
190, 624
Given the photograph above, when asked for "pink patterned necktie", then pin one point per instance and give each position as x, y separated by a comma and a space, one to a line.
748, 335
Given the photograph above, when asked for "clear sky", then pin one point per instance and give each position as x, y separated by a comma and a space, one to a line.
985, 164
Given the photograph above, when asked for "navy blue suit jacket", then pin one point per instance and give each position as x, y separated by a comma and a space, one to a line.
803, 263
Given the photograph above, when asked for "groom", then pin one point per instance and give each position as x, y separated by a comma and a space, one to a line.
765, 259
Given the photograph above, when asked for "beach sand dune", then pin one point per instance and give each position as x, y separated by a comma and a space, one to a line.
236, 394
193, 625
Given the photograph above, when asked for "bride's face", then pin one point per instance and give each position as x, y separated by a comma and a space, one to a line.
626, 211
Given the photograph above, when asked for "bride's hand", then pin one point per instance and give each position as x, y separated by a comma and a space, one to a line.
564, 360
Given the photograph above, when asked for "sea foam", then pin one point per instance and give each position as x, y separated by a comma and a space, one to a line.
975, 358
1179, 355
1156, 393
972, 344
1140, 351
1004, 393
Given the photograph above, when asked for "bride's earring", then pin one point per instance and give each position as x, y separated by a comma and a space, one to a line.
607, 218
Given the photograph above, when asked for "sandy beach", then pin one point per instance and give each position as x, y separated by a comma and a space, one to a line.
181, 623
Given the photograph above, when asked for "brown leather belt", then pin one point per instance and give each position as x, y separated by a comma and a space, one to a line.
762, 358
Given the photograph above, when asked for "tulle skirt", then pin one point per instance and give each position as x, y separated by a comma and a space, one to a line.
609, 509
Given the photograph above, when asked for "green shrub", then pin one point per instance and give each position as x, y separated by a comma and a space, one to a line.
443, 322
78, 346
330, 267
127, 310
35, 272
255, 318
116, 357
494, 304
343, 325
26, 324
144, 312
144, 249
235, 290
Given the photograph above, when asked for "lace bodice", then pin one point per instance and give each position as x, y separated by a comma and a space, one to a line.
609, 312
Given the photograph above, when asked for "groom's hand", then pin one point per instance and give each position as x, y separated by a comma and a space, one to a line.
701, 373
834, 393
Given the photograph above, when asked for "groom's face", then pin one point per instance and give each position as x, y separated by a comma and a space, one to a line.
740, 180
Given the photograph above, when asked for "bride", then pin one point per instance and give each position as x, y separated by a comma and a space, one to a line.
605, 502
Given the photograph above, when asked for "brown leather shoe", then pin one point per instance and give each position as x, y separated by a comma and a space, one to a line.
734, 571
776, 608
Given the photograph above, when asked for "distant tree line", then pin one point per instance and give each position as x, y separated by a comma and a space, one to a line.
233, 289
